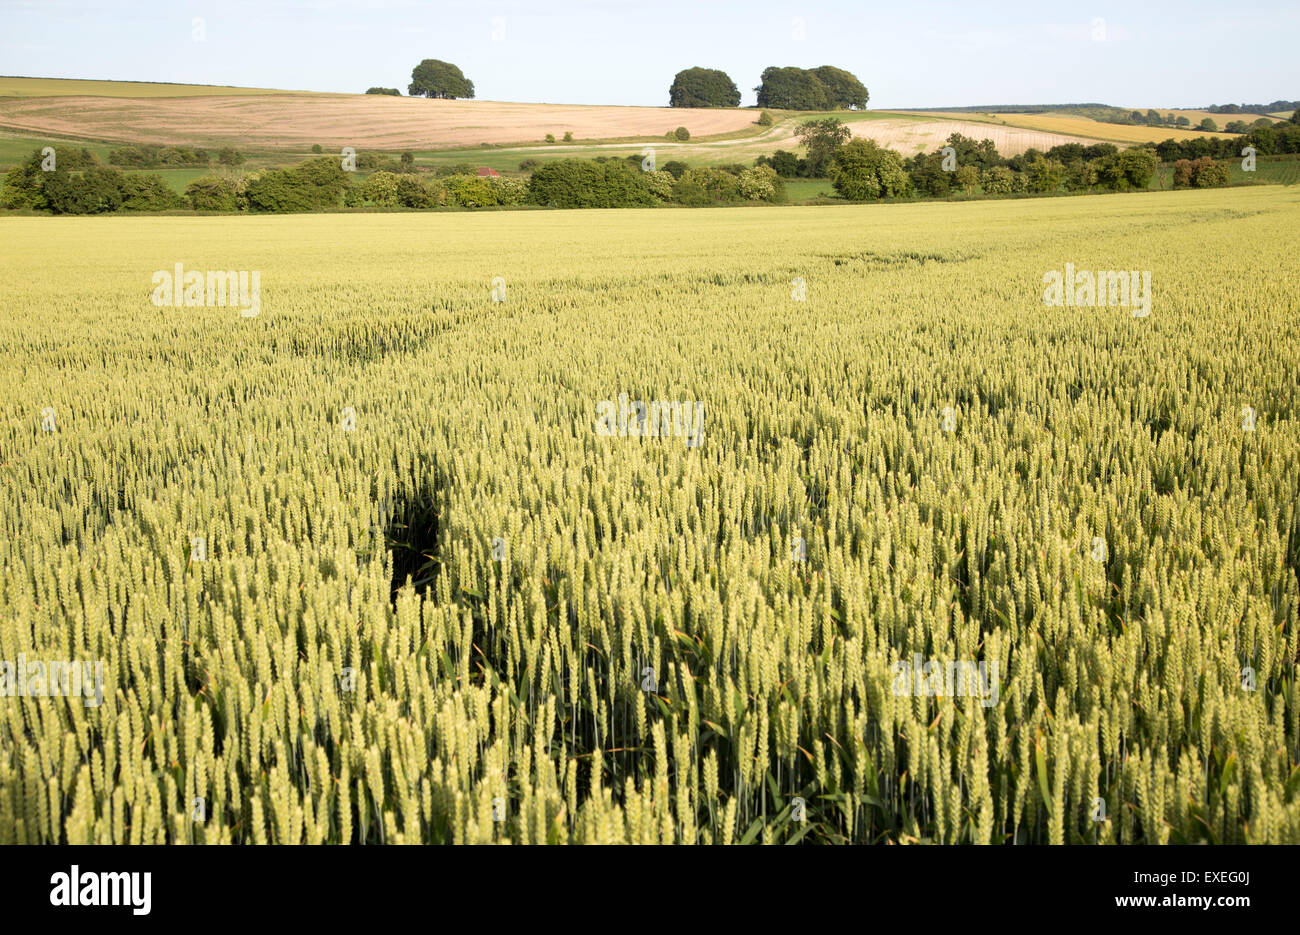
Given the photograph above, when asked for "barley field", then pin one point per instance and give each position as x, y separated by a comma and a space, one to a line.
366, 567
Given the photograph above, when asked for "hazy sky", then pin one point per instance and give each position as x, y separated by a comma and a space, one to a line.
920, 54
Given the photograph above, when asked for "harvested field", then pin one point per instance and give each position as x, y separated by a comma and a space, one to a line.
296, 121
909, 136
64, 87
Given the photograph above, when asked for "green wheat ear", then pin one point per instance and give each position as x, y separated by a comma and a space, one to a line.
294, 682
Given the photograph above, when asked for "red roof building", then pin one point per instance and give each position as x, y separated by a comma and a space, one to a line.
485, 172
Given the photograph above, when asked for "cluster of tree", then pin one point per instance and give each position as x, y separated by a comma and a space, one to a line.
436, 78
388, 189
1241, 126
78, 186
703, 87
1153, 118
1277, 107
610, 182
375, 162
1275, 139
320, 184
1200, 173
824, 88
155, 157
65, 157
392, 92
860, 169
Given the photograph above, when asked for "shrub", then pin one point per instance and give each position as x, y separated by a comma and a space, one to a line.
758, 183
230, 157
625, 186
785, 163
1200, 173
393, 92
580, 183
681, 133
567, 183
997, 180
472, 191
317, 183
764, 119
315, 148
1130, 169
218, 193
140, 157
381, 188
660, 182
24, 185
550, 137
132, 156
148, 193
703, 186
675, 168
509, 191
1044, 175
568, 136
528, 165
413, 193
862, 170
97, 190
1080, 175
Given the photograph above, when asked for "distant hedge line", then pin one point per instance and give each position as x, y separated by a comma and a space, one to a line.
321, 184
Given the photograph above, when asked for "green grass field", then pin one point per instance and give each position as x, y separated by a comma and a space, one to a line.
389, 560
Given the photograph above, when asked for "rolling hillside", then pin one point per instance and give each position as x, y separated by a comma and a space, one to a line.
281, 125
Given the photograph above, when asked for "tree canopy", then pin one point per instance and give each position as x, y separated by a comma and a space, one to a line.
845, 89
703, 87
436, 78
824, 88
862, 170
823, 138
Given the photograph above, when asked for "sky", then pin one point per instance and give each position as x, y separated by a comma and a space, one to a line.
908, 54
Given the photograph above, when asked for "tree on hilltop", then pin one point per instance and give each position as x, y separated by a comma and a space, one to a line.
846, 91
703, 87
436, 78
824, 88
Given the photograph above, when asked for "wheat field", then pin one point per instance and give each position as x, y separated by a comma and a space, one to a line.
365, 567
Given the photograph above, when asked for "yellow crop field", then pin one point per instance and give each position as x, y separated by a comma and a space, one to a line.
375, 542
1075, 127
